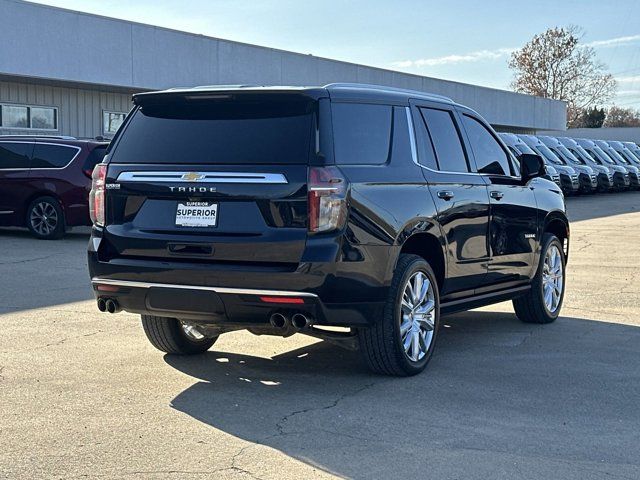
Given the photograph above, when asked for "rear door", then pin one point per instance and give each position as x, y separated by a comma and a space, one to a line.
459, 193
15, 160
513, 226
221, 178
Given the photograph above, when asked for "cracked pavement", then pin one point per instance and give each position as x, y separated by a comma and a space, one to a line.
83, 394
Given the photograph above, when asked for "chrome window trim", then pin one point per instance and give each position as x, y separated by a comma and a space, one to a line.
78, 150
208, 177
414, 151
237, 291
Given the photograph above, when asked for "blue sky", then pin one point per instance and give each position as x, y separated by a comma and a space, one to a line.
467, 41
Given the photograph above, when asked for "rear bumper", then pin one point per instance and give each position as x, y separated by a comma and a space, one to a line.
229, 306
338, 293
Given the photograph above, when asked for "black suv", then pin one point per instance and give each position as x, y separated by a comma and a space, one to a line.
283, 209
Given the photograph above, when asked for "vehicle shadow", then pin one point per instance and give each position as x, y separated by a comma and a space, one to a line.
497, 393
587, 207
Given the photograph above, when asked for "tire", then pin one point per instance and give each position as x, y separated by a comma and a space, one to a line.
169, 336
532, 308
382, 343
45, 218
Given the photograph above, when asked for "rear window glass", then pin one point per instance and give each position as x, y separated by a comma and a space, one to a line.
52, 156
95, 157
15, 155
253, 130
361, 133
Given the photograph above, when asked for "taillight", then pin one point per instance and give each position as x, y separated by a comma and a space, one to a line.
96, 197
327, 199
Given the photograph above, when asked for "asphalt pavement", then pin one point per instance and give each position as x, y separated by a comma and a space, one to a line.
84, 395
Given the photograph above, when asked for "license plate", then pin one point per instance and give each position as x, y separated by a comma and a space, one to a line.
197, 214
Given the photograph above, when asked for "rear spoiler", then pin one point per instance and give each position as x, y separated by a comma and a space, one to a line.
224, 93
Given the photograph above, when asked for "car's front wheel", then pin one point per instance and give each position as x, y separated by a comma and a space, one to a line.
45, 218
543, 301
402, 341
171, 335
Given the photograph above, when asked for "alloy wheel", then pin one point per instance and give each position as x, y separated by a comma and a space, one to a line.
417, 316
552, 279
44, 218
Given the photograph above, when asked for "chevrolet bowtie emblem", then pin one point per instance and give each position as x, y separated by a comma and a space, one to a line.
192, 176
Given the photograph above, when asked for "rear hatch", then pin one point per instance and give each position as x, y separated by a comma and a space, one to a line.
212, 177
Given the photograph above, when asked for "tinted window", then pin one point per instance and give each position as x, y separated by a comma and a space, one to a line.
445, 140
255, 130
95, 157
52, 156
426, 154
361, 133
15, 155
489, 155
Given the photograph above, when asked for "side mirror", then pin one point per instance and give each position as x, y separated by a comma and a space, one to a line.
531, 166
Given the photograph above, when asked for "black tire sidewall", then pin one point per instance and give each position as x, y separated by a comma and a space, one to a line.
409, 366
58, 232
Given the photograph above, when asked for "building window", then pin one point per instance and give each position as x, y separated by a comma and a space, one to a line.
27, 117
111, 121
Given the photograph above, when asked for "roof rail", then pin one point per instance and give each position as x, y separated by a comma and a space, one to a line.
57, 137
383, 88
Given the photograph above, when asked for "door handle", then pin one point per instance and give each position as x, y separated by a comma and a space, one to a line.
496, 195
445, 195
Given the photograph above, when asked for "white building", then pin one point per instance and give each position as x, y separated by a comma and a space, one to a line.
64, 72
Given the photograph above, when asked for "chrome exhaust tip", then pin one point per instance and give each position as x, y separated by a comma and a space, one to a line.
112, 306
102, 305
278, 320
300, 321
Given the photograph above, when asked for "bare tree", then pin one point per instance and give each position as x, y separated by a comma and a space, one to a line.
554, 65
622, 117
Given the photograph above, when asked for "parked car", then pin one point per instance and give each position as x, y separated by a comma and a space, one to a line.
619, 158
517, 147
569, 179
605, 174
284, 210
586, 175
45, 182
633, 148
621, 179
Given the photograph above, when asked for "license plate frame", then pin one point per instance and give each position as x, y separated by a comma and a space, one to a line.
197, 214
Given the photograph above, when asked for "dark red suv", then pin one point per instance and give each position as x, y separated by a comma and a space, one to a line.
45, 182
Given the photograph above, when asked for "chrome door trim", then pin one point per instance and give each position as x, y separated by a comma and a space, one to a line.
237, 291
203, 177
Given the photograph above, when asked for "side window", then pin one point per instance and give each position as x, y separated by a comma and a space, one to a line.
426, 154
52, 156
445, 139
361, 133
489, 155
15, 155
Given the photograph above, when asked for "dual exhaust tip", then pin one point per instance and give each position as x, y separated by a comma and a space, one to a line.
108, 305
298, 321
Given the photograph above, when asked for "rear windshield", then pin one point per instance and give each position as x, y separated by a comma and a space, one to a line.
273, 130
